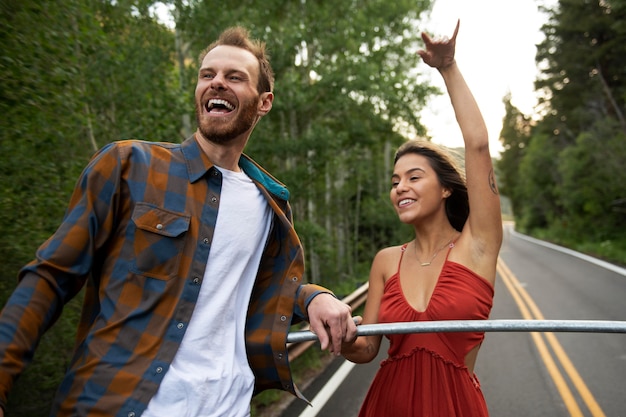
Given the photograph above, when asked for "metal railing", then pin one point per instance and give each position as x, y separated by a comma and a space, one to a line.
585, 326
299, 341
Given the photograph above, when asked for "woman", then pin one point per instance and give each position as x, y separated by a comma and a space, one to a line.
446, 273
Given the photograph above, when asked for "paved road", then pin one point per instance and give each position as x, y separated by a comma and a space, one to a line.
525, 374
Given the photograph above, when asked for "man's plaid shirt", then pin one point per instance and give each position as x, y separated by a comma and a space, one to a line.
137, 236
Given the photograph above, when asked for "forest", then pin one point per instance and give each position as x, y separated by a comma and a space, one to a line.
562, 167
78, 74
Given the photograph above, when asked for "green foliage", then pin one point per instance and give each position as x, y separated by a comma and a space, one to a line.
44, 374
538, 175
563, 173
515, 138
584, 64
343, 87
76, 75
37, 158
590, 192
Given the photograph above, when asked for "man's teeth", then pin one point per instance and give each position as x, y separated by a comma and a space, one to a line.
221, 103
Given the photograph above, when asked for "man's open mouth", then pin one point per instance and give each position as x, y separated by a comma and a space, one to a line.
217, 105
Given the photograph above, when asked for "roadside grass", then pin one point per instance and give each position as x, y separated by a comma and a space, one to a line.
610, 250
305, 368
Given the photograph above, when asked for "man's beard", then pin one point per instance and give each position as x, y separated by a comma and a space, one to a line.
222, 133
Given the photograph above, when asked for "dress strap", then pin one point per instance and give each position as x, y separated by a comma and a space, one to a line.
402, 250
450, 246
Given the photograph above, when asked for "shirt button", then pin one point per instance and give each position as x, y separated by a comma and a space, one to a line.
180, 325
159, 370
280, 356
131, 414
196, 280
213, 199
205, 240
283, 318
159, 226
294, 279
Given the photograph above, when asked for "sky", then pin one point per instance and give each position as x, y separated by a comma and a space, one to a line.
495, 51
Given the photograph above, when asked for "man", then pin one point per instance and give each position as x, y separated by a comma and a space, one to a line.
193, 269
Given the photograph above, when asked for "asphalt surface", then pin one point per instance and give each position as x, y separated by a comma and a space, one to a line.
588, 370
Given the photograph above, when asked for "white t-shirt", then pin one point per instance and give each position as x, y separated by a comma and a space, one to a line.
210, 375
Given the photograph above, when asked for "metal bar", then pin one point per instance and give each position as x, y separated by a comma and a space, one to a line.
584, 326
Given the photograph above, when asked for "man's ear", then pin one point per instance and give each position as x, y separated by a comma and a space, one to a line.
265, 103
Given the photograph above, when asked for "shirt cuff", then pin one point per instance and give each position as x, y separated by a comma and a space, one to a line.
305, 294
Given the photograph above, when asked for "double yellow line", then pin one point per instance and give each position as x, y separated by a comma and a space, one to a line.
530, 311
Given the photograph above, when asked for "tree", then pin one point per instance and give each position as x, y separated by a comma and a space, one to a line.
344, 85
590, 191
515, 136
567, 180
584, 64
74, 76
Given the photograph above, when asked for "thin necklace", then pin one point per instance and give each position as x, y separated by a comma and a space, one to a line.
435, 254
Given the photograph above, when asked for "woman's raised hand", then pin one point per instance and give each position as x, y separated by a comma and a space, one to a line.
439, 52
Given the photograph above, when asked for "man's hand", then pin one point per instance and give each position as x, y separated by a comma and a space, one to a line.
331, 320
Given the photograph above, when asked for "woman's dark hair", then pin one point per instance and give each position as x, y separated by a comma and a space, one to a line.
450, 176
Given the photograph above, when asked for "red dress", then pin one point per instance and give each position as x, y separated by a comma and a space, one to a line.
425, 374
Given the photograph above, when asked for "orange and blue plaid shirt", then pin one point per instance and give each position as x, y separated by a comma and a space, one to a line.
137, 236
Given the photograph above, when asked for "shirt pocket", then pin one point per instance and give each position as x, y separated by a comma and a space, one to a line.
159, 241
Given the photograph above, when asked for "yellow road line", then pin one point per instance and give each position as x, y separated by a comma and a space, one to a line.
529, 311
559, 381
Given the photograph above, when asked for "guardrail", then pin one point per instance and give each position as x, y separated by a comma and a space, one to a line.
299, 341
585, 326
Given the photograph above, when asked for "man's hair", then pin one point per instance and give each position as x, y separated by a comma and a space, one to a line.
450, 176
240, 37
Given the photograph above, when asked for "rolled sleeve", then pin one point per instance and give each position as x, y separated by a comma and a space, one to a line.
305, 294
